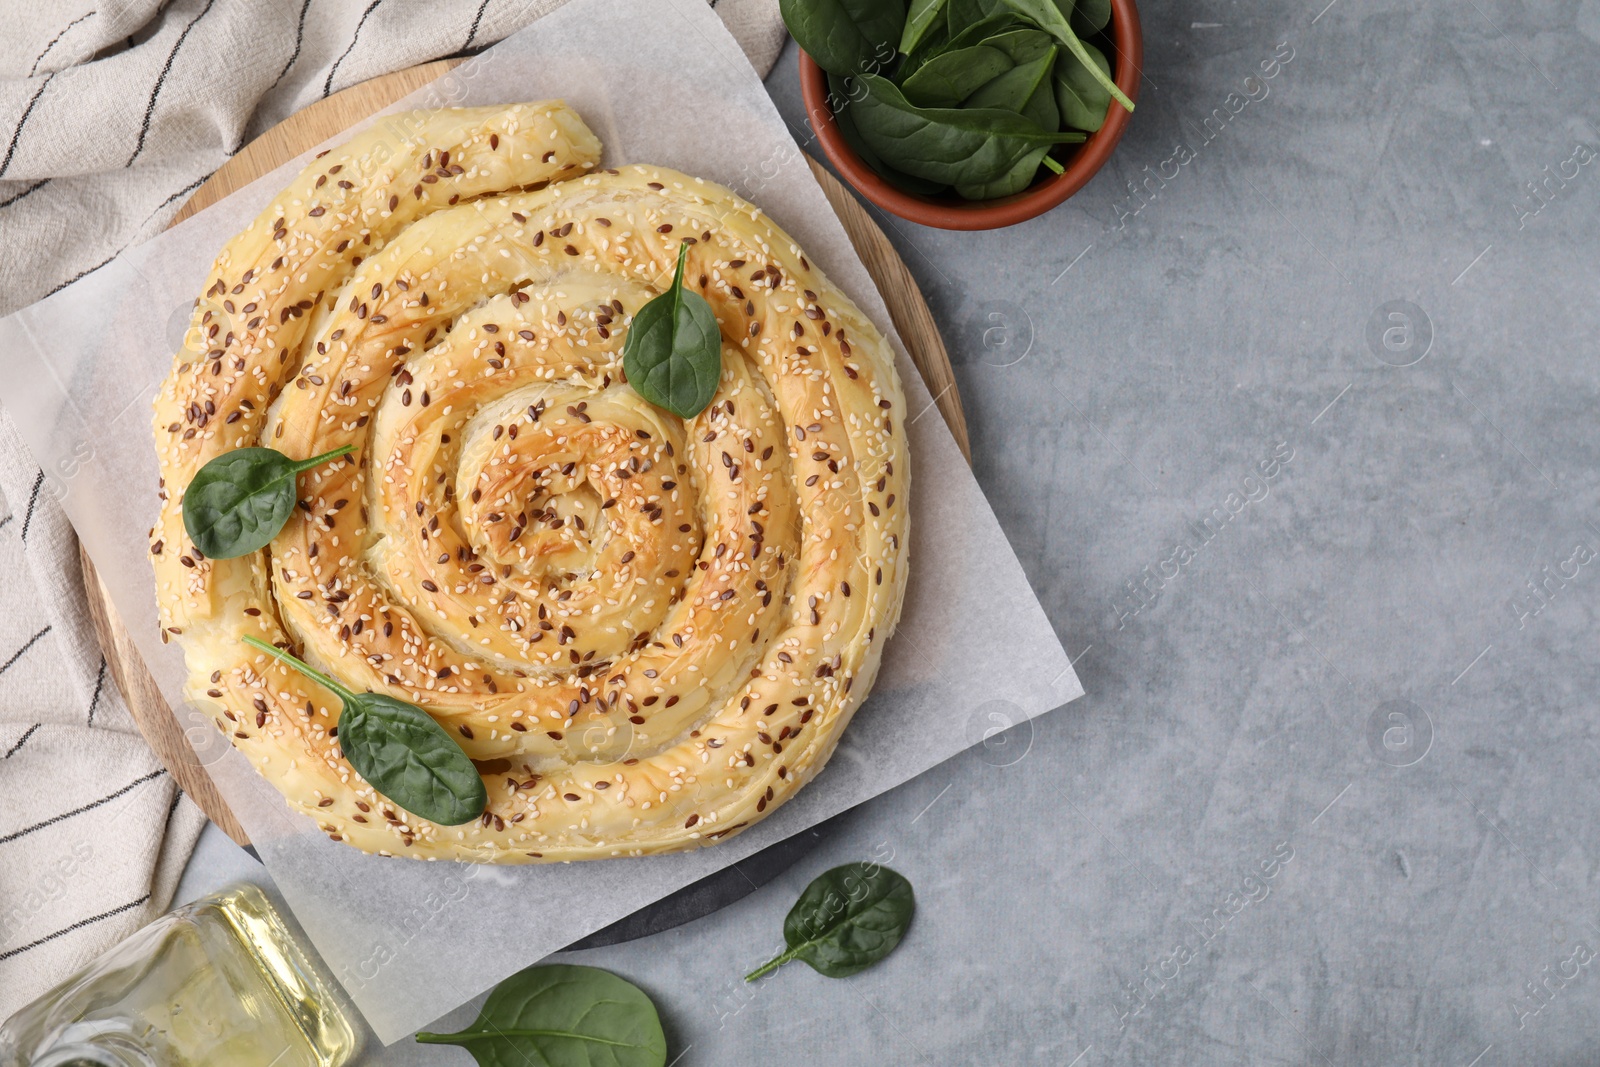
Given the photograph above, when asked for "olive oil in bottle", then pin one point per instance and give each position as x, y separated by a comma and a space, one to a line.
219, 981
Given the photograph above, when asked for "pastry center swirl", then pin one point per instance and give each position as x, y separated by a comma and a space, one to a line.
548, 533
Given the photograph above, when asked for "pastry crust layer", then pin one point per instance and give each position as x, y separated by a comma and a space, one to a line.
648, 633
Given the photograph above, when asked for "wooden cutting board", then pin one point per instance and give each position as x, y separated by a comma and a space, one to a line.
326, 119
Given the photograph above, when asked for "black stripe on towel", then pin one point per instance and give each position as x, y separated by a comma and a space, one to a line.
33, 501
24, 832
22, 195
6, 666
79, 925
166, 68
99, 686
16, 135
472, 34
299, 37
55, 40
12, 751
327, 86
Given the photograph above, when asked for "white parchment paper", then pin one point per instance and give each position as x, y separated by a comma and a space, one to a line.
659, 81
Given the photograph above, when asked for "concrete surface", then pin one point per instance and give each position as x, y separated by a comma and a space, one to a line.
1282, 441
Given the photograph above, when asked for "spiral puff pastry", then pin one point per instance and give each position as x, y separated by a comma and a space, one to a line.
647, 633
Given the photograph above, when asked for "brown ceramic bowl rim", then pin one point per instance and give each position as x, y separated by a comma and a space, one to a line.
950, 213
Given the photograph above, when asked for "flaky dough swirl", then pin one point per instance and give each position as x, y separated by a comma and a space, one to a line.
647, 632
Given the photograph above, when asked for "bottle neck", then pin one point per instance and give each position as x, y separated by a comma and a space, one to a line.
91, 1055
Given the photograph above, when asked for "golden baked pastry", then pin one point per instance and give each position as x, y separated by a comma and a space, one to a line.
646, 632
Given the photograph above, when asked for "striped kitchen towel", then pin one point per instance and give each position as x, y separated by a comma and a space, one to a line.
93, 831
111, 113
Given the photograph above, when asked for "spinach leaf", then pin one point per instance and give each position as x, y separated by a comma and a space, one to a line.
951, 77
1041, 106
940, 40
239, 501
922, 17
673, 352
1018, 178
1080, 97
563, 1015
959, 14
956, 146
933, 41
1091, 16
1048, 17
846, 36
1003, 21
1025, 88
400, 750
846, 920
1022, 43
841, 91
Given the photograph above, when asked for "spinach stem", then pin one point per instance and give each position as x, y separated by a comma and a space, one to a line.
301, 666
307, 464
677, 281
1055, 23
1065, 35
427, 1037
1053, 165
774, 963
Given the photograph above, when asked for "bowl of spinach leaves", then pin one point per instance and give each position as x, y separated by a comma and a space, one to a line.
967, 114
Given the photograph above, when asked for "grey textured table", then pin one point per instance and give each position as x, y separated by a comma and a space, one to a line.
1295, 438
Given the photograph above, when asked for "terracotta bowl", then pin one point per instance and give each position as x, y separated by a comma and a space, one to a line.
954, 213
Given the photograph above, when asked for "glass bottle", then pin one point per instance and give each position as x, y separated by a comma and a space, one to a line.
220, 981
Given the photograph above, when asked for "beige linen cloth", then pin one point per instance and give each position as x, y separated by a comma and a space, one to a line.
111, 113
